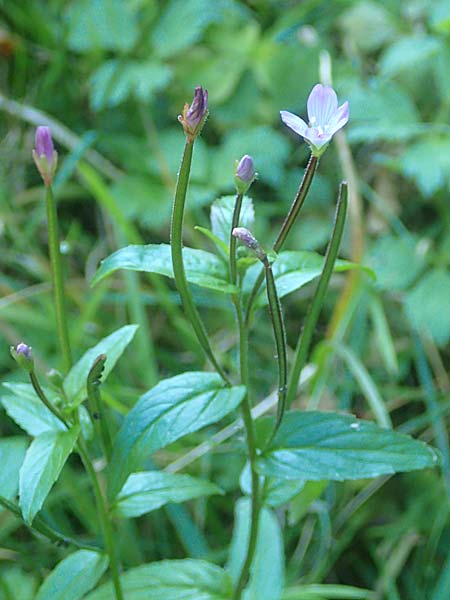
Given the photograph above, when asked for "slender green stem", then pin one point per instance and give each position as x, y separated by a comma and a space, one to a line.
279, 332
104, 519
40, 392
304, 341
288, 223
233, 240
176, 241
40, 526
57, 278
94, 400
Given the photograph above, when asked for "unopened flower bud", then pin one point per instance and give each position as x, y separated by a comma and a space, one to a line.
44, 154
244, 174
55, 378
249, 240
23, 355
194, 115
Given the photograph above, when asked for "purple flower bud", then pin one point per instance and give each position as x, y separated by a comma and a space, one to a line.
245, 174
23, 355
194, 115
248, 239
44, 155
44, 143
324, 115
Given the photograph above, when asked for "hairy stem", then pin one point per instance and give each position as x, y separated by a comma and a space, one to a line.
57, 278
176, 242
233, 240
304, 341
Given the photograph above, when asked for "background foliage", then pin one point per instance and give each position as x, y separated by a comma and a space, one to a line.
114, 75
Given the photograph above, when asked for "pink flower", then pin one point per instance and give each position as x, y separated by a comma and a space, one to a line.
325, 118
44, 155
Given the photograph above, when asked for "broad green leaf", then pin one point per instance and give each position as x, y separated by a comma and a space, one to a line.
28, 411
427, 163
327, 446
147, 491
427, 306
202, 268
267, 570
171, 580
404, 264
407, 53
74, 576
12, 453
43, 463
222, 215
292, 270
367, 25
100, 24
113, 346
173, 408
276, 491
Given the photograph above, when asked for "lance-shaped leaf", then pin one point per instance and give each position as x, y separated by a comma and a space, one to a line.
43, 463
202, 268
74, 576
171, 580
173, 408
113, 346
327, 446
147, 491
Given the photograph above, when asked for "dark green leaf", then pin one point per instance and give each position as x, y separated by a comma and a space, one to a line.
171, 580
12, 453
267, 570
74, 576
147, 491
172, 409
43, 463
113, 346
327, 446
202, 268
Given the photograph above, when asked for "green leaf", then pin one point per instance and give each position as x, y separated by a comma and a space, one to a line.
43, 463
267, 570
202, 268
113, 346
171, 580
173, 408
326, 446
74, 576
292, 270
12, 453
147, 491
14, 579
408, 53
427, 306
183, 23
276, 491
404, 264
115, 81
222, 215
28, 411
427, 163
321, 591
100, 24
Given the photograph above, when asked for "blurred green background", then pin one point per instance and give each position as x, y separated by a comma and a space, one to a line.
110, 77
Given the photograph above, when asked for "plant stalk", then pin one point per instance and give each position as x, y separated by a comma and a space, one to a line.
233, 240
176, 242
57, 278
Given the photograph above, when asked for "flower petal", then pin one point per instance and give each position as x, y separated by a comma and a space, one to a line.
322, 104
316, 139
293, 122
339, 119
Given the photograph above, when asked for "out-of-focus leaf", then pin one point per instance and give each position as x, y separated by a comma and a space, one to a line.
276, 491
100, 24
149, 490
396, 261
427, 306
172, 409
74, 576
367, 24
316, 446
427, 163
41, 467
408, 52
267, 570
202, 268
12, 453
113, 346
171, 580
14, 579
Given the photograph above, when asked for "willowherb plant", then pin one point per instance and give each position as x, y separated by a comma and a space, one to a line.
284, 450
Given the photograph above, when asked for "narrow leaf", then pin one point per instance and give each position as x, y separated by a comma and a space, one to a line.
113, 346
43, 463
74, 576
147, 491
171, 580
327, 446
172, 409
202, 268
